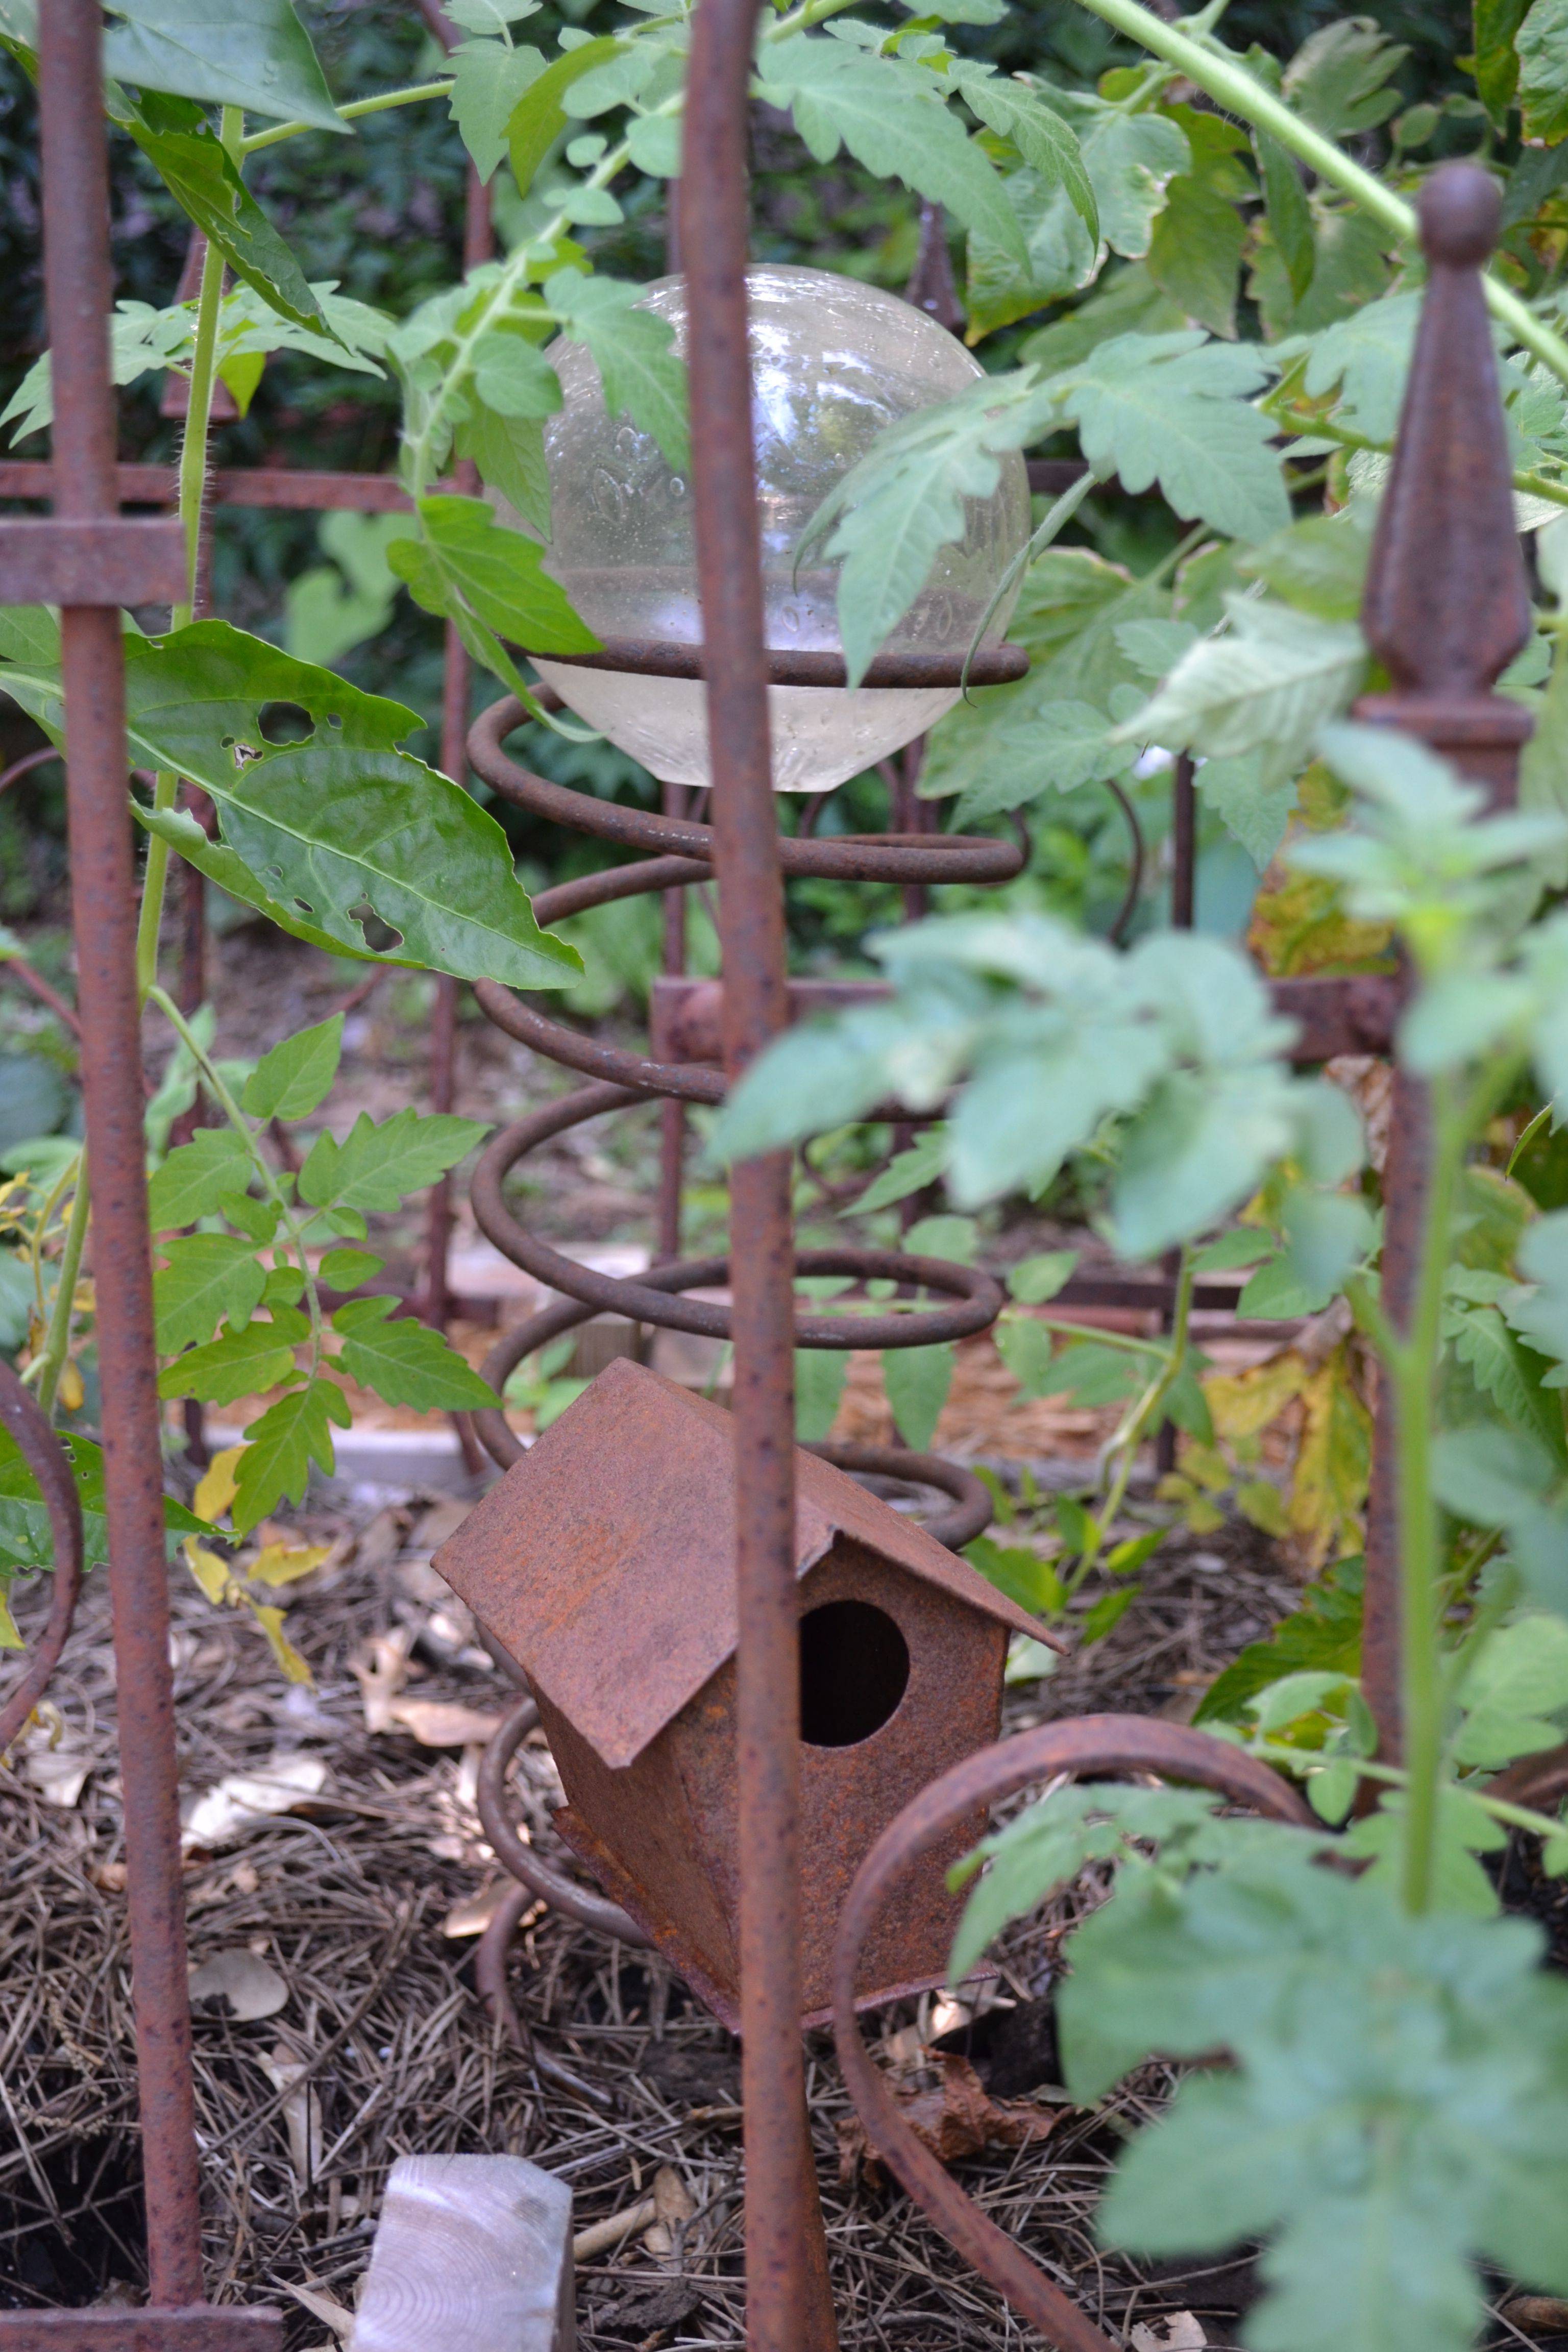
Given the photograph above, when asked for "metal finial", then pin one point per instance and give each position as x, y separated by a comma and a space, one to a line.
1447, 603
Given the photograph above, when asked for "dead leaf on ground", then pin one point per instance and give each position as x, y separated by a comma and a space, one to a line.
238, 1984
1178, 2331
957, 2120
673, 2206
473, 1915
442, 1723
325, 2307
239, 1801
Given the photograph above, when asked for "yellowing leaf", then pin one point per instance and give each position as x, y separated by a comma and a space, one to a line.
215, 1491
1243, 1403
1333, 1463
10, 1639
278, 1563
70, 1392
210, 1572
271, 1620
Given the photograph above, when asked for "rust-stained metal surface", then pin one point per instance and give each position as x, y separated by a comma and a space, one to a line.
1096, 1747
1446, 608
601, 1561
183, 2327
79, 289
129, 559
45, 1457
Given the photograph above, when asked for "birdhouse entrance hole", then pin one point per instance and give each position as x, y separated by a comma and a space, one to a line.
854, 1670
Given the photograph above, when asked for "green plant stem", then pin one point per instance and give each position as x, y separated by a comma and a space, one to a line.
1391, 1776
349, 114
1054, 522
1232, 87
1532, 486
56, 1343
193, 489
219, 1088
1130, 1437
1413, 1375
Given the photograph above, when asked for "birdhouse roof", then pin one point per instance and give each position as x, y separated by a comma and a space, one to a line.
604, 1560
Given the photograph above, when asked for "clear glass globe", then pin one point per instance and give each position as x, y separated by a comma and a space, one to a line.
834, 363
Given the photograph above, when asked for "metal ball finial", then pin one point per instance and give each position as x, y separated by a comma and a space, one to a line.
1460, 210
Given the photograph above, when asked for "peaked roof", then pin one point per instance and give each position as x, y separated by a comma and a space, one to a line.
604, 1560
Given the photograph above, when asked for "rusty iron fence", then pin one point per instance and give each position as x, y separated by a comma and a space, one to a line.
1447, 607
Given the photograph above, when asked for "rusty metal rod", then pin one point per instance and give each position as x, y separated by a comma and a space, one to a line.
79, 289
789, 2305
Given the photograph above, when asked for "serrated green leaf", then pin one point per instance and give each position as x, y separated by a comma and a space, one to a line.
195, 167
891, 117
1130, 159
490, 80
1542, 46
1290, 213
377, 1165
1367, 356
1034, 1280
489, 16
1019, 1572
1028, 1350
289, 1081
193, 1179
908, 1171
634, 351
1338, 80
1195, 252
1496, 24
1173, 409
345, 1269
1268, 686
342, 820
1012, 106
916, 1382
467, 562
280, 1446
206, 1277
239, 1363
510, 454
26, 1538
512, 376
404, 1363
1519, 1681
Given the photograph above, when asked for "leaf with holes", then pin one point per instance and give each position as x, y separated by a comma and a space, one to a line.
253, 54
342, 822
229, 871
205, 1277
378, 1165
405, 1362
195, 167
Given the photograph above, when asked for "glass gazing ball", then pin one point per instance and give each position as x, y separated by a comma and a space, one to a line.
834, 363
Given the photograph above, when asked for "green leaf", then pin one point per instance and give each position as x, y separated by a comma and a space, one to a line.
1323, 1636
1542, 46
1319, 565
908, 1171
256, 56
653, 141
1027, 1349
1019, 1572
915, 1381
1251, 802
514, 378
1060, 255
1268, 686
1367, 356
1172, 409
194, 1180
239, 1363
510, 454
1517, 1684
1034, 1280
297, 1075
539, 119
1195, 252
280, 1446
488, 83
891, 117
819, 1377
1508, 1372
1496, 24
405, 1362
634, 351
1107, 1612
340, 823
229, 870
488, 15
195, 167
345, 1269
1290, 213
1338, 80
1012, 106
26, 1539
1130, 159
466, 563
378, 1165
206, 1277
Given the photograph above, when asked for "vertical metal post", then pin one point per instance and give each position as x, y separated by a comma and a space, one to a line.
79, 289
789, 2306
1446, 607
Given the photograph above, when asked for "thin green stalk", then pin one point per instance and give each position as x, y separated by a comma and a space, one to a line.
1130, 1437
1532, 486
218, 1087
1392, 1776
1229, 82
349, 114
1051, 526
56, 1343
1413, 1377
193, 489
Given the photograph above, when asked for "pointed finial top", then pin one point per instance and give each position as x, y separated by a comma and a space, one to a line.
1460, 211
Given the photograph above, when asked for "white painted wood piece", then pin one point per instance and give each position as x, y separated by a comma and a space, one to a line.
472, 2254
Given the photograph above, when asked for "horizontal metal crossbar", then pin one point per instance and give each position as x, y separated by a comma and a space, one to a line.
96, 560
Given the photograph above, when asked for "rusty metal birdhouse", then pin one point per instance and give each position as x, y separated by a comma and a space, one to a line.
604, 1563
